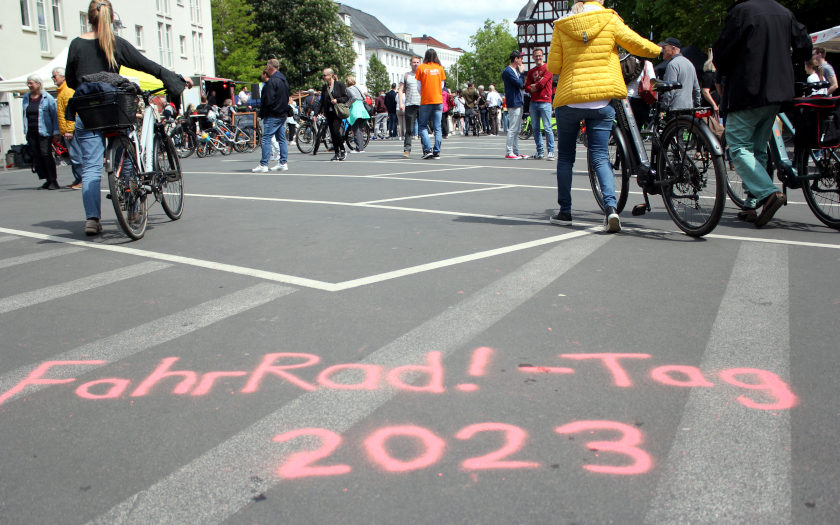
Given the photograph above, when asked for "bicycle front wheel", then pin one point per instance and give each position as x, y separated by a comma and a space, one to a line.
822, 189
250, 135
691, 171
170, 183
305, 138
127, 193
617, 148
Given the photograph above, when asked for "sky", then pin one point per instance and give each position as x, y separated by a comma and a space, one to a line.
452, 22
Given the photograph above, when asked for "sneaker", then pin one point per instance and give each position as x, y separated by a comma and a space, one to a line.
436, 156
262, 168
538, 156
771, 206
427, 155
335, 158
280, 167
564, 219
522, 156
407, 154
612, 224
93, 227
550, 156
513, 157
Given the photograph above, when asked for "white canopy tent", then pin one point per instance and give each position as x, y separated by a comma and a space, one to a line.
827, 38
18, 84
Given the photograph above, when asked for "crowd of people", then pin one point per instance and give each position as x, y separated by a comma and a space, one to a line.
573, 81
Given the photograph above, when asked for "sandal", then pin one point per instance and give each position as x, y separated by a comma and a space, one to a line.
771, 206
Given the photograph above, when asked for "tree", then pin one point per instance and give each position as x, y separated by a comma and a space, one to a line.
377, 76
306, 36
493, 44
236, 54
700, 23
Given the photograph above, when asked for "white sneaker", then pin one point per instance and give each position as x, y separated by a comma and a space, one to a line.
280, 167
550, 156
262, 168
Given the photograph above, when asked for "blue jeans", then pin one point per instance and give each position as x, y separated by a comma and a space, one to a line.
91, 148
747, 133
433, 111
392, 124
274, 127
599, 123
75, 158
541, 113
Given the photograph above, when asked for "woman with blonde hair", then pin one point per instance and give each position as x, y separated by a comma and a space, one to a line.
95, 52
332, 92
584, 58
358, 114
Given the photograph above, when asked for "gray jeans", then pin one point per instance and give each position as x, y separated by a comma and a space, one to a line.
514, 126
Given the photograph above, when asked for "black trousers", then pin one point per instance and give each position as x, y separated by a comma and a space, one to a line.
42, 160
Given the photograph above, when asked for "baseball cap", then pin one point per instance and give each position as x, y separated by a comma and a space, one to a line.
670, 41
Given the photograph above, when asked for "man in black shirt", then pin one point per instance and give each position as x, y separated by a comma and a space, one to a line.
274, 109
391, 106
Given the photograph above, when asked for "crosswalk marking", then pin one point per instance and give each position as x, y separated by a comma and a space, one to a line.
140, 338
729, 463
219, 483
38, 256
83, 284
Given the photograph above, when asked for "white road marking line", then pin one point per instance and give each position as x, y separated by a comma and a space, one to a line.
229, 268
42, 295
140, 338
774, 241
436, 194
38, 256
730, 463
219, 483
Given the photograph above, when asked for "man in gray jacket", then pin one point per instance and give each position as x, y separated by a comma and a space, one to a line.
679, 69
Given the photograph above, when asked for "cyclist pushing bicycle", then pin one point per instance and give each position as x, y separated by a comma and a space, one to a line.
95, 52
757, 83
593, 31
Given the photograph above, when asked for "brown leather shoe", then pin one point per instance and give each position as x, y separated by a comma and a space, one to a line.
771, 206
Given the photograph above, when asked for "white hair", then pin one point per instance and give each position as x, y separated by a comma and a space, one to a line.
37, 79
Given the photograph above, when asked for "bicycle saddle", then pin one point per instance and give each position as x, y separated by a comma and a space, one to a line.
661, 86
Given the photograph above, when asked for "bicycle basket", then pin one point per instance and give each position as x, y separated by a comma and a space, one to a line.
817, 121
110, 109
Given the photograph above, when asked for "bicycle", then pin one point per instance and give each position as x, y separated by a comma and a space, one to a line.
815, 167
141, 160
183, 137
473, 122
686, 165
527, 130
308, 131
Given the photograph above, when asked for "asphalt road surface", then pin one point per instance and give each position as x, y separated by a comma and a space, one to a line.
385, 341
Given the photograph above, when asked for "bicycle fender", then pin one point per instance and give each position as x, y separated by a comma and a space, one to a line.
701, 128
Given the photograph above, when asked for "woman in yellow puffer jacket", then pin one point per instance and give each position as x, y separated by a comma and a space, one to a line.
584, 58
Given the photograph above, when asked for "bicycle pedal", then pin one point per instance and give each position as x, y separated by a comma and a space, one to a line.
639, 209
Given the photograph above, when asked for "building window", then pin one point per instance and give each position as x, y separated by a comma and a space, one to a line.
41, 11
57, 18
138, 36
195, 11
25, 21
182, 40
162, 6
83, 23
198, 51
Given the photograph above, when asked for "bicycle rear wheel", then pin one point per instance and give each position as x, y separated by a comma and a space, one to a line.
250, 139
184, 142
170, 183
305, 138
693, 173
822, 193
621, 171
127, 193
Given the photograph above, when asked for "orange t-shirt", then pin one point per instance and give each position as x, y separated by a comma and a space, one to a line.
430, 76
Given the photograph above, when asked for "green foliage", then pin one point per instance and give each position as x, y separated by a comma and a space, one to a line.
493, 44
306, 36
232, 27
377, 76
700, 23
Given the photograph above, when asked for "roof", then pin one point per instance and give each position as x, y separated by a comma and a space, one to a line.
525, 12
430, 41
375, 33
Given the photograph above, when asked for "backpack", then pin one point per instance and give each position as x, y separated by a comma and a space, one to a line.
446, 104
631, 67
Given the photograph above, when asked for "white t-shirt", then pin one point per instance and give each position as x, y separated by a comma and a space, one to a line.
494, 99
813, 77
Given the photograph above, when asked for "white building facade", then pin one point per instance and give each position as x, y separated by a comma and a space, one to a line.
177, 34
447, 55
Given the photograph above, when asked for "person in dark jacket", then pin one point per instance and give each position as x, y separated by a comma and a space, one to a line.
94, 52
753, 53
391, 106
274, 110
332, 93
